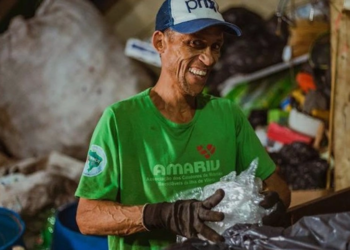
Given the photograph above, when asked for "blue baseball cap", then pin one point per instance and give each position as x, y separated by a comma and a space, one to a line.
190, 16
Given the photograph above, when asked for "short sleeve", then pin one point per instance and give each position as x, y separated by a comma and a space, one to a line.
100, 176
249, 148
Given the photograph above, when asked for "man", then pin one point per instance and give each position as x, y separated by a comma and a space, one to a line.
170, 138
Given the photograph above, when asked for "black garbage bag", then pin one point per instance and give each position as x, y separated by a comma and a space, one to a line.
301, 166
327, 231
258, 117
248, 21
254, 237
306, 175
198, 244
258, 47
298, 152
320, 60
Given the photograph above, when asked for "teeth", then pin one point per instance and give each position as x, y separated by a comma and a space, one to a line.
198, 72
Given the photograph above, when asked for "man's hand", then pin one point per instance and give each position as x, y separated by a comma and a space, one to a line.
278, 217
185, 217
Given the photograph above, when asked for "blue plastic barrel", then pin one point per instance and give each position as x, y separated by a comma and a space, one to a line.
66, 234
12, 229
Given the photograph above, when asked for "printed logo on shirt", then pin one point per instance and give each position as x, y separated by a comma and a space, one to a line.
207, 151
96, 161
189, 173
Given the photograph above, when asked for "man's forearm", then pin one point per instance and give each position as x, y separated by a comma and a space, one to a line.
108, 218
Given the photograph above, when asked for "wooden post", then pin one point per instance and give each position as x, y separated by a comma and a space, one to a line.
340, 110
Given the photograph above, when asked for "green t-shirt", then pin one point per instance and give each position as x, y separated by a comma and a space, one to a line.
137, 156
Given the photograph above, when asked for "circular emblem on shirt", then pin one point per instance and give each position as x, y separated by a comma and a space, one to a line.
96, 161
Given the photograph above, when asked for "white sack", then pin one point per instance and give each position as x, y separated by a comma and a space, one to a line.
58, 71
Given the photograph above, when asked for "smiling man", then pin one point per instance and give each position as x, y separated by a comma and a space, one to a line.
171, 138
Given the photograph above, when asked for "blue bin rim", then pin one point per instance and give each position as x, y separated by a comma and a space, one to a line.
17, 218
62, 209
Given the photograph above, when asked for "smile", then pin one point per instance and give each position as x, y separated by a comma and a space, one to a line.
198, 72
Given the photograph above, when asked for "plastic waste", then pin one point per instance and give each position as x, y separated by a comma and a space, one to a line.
317, 232
241, 201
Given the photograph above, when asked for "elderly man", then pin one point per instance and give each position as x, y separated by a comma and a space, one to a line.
168, 139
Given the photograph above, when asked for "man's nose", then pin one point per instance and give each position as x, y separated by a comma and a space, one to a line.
207, 57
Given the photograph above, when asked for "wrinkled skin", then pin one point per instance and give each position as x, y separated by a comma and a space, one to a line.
187, 59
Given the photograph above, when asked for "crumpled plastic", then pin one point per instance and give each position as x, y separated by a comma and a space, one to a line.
317, 232
241, 201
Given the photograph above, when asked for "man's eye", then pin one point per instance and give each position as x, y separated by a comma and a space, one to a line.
216, 47
197, 44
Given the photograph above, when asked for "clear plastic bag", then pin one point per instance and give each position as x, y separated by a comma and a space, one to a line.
241, 201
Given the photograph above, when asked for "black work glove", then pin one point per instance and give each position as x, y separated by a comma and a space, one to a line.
278, 217
186, 217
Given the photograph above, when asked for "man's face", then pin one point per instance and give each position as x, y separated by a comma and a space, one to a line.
189, 58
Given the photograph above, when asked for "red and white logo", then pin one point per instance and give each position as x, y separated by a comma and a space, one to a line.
207, 151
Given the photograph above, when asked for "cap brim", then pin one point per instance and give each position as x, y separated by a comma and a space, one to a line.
199, 24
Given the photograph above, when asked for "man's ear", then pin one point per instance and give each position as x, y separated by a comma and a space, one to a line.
158, 41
